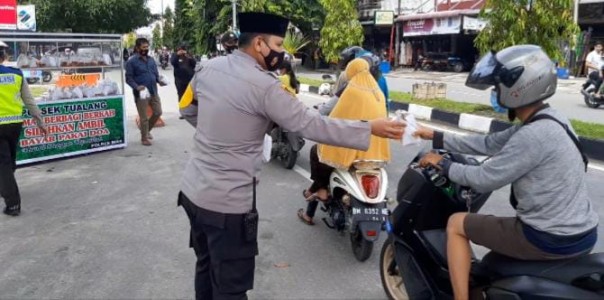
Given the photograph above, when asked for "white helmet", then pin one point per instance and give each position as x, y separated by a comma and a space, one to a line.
521, 75
3, 45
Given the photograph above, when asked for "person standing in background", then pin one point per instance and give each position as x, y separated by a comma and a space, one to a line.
184, 69
141, 74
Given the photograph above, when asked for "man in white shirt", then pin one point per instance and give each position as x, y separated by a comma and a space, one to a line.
594, 59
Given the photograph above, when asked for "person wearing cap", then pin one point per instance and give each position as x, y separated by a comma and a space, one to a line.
239, 100
184, 68
14, 94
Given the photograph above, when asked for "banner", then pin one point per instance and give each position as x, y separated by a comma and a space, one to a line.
384, 18
74, 127
90, 79
476, 24
450, 25
8, 14
26, 17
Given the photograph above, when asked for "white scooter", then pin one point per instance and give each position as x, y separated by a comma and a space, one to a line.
358, 204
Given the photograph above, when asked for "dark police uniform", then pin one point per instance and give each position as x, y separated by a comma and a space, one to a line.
238, 103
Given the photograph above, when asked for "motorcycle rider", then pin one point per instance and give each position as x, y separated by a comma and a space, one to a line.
594, 61
346, 56
541, 158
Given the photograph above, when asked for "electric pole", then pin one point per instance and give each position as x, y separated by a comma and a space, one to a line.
234, 3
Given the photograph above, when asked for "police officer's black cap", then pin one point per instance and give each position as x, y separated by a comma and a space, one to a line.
254, 22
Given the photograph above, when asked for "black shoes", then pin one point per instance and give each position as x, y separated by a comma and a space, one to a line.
13, 211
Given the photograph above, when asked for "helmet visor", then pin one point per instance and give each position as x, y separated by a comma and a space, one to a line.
482, 76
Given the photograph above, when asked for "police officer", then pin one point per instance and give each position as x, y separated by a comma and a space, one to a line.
14, 94
239, 99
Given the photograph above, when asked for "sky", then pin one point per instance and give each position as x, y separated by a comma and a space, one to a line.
155, 5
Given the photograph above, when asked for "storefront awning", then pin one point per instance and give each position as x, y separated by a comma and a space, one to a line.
439, 14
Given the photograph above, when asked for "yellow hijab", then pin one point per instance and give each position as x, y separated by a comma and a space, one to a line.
362, 100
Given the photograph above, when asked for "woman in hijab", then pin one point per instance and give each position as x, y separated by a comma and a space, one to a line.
361, 100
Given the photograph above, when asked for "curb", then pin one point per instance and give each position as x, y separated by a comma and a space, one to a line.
594, 149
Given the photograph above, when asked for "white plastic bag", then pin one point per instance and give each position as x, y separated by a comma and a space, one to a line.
408, 138
107, 60
78, 93
267, 148
144, 94
57, 94
22, 61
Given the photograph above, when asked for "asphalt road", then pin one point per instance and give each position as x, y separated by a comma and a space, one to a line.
567, 99
106, 226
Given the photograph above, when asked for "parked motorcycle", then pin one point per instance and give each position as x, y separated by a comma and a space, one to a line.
46, 77
413, 261
286, 146
357, 204
590, 91
444, 62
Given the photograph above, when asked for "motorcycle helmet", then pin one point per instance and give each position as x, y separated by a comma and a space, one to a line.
521, 75
348, 54
230, 41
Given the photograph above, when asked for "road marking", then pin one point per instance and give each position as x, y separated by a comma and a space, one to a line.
302, 172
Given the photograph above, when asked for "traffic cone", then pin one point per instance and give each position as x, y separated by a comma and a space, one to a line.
159, 123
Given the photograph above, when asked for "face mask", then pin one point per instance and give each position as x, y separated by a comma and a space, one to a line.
274, 59
495, 104
144, 52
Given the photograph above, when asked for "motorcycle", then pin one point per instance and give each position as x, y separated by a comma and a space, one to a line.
46, 77
413, 260
589, 90
164, 60
286, 146
357, 204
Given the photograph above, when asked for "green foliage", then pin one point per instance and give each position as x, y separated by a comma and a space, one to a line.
294, 41
510, 22
168, 34
130, 40
156, 35
341, 28
201, 21
90, 16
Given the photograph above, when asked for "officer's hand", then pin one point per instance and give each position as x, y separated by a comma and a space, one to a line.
430, 160
140, 88
388, 128
424, 133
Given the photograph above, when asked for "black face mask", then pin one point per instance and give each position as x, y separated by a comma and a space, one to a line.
274, 59
511, 115
144, 52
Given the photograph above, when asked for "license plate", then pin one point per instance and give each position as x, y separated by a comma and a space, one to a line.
32, 73
369, 213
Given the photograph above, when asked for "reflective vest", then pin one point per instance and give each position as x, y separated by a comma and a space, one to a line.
11, 104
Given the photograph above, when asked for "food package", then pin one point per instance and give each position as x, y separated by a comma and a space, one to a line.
22, 61
33, 62
56, 94
107, 60
78, 93
412, 127
67, 94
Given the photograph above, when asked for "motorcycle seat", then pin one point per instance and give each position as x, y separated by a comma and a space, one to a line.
587, 270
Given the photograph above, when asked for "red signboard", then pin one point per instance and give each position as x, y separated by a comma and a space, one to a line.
8, 14
418, 27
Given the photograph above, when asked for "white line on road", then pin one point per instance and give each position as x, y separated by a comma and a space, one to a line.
592, 166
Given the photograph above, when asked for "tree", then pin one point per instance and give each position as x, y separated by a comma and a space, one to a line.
539, 22
168, 34
183, 23
156, 35
130, 40
341, 28
90, 16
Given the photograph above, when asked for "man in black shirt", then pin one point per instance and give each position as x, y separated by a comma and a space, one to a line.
184, 69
